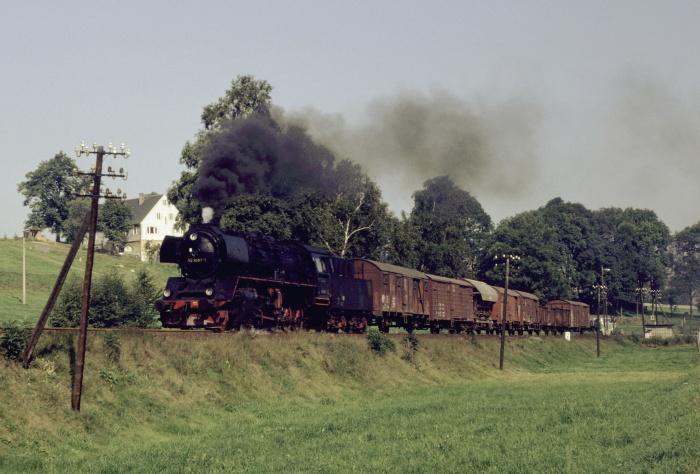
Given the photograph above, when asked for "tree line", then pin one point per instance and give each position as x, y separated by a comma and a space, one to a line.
261, 176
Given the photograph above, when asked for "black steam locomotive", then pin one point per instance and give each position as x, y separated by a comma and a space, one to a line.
232, 280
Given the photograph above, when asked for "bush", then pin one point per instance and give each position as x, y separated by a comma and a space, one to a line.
112, 302
114, 348
380, 343
410, 344
13, 340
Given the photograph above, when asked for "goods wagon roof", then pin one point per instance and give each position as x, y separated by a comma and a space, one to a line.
573, 303
526, 295
387, 267
456, 281
488, 293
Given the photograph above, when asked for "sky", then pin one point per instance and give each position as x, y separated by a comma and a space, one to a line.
520, 102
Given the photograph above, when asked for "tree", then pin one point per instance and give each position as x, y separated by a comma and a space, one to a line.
142, 297
246, 97
636, 242
77, 209
113, 219
258, 213
403, 244
559, 250
346, 216
685, 265
47, 193
453, 228
528, 236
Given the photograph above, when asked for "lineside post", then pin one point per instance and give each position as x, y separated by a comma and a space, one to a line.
29, 350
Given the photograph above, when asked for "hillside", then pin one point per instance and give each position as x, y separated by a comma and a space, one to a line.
43, 264
305, 402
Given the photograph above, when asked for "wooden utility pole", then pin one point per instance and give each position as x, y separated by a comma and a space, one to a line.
505, 308
100, 153
87, 284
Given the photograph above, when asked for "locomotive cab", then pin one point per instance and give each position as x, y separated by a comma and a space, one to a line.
324, 269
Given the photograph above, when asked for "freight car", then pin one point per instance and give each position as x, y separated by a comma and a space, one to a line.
231, 280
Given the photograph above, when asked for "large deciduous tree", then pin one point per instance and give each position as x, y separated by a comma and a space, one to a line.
559, 250
47, 193
346, 215
113, 219
77, 209
635, 245
685, 265
452, 226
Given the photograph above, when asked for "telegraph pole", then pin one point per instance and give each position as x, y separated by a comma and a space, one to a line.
508, 258
600, 288
99, 153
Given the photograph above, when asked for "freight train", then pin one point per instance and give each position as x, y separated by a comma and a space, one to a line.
233, 280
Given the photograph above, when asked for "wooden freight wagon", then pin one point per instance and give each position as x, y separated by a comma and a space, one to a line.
451, 304
528, 305
399, 295
513, 318
485, 297
568, 315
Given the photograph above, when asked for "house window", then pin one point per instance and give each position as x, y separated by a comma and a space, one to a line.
158, 215
152, 230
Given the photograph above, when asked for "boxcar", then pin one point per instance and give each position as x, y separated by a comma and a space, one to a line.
512, 314
399, 295
451, 304
566, 315
485, 297
528, 305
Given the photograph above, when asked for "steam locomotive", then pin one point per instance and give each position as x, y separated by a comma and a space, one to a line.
233, 280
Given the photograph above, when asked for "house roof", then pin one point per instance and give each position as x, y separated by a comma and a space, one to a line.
141, 206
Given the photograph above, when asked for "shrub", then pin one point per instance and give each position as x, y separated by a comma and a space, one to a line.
114, 348
410, 344
143, 295
380, 343
112, 302
13, 340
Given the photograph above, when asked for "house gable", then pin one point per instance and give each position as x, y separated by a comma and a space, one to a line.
153, 217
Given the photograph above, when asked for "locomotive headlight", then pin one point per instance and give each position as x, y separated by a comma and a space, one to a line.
209, 291
193, 236
167, 293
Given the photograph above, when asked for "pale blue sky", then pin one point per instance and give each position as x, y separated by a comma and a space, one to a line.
596, 102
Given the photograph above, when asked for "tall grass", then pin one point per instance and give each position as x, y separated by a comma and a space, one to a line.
323, 403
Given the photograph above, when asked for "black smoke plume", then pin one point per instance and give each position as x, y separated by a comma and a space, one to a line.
256, 156
487, 148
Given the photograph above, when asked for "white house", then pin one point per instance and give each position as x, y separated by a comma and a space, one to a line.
152, 218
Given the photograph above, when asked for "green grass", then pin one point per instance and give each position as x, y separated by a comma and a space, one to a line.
43, 265
322, 403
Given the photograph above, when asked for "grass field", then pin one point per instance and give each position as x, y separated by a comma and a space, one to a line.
43, 264
322, 403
